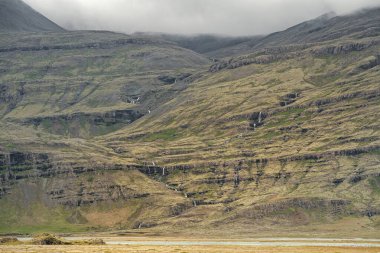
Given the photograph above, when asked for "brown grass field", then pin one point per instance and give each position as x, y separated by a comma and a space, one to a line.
182, 249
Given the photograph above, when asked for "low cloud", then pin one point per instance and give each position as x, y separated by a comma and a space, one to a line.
227, 17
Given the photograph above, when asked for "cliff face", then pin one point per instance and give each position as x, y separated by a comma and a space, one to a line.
84, 125
242, 196
108, 131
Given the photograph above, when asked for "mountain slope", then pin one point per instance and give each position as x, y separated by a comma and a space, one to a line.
16, 16
58, 91
108, 131
293, 142
207, 44
328, 27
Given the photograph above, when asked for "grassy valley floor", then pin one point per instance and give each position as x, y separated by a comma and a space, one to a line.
188, 249
134, 243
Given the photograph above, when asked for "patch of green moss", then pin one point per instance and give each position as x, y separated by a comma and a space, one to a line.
271, 134
15, 217
375, 184
47, 124
165, 135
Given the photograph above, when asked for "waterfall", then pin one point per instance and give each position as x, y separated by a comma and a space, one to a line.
260, 117
163, 171
194, 203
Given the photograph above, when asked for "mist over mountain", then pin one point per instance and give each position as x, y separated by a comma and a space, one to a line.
238, 17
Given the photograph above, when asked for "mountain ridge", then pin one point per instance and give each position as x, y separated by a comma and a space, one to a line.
323, 28
16, 16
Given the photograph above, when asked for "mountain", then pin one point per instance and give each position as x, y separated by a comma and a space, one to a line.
328, 27
103, 131
16, 16
206, 43
213, 46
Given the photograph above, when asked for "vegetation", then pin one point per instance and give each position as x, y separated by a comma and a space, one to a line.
47, 239
104, 131
190, 249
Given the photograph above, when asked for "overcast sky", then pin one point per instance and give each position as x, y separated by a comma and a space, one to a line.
227, 17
